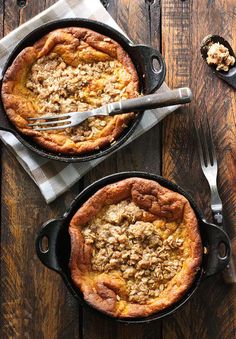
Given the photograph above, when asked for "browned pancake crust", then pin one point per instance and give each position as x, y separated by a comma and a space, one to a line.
74, 46
108, 291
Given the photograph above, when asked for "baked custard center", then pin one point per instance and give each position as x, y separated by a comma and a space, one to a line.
60, 88
144, 255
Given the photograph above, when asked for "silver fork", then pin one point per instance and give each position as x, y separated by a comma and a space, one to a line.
66, 120
209, 167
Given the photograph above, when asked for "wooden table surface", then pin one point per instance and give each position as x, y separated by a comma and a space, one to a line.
35, 303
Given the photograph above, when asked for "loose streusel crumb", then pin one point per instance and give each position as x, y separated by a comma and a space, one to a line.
60, 88
219, 55
70, 69
135, 248
144, 256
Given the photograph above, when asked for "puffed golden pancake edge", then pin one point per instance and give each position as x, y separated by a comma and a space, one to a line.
23, 94
119, 290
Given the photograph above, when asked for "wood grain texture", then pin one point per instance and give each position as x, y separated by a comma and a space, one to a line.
34, 301
211, 312
31, 295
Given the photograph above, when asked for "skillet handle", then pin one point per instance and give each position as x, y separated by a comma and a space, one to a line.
229, 274
48, 256
153, 77
215, 261
5, 124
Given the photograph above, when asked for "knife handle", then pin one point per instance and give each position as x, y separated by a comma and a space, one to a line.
229, 273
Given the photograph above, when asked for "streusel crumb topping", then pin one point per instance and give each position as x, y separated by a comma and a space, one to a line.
61, 88
145, 257
219, 56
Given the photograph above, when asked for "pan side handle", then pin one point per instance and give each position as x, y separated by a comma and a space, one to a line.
46, 243
152, 66
218, 249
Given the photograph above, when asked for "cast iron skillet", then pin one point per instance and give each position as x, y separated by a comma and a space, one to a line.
57, 255
142, 56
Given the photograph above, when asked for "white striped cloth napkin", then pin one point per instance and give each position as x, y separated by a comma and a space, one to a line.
52, 177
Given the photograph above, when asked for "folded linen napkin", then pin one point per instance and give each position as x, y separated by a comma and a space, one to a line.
52, 177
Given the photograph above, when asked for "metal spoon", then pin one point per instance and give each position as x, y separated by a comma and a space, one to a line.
228, 76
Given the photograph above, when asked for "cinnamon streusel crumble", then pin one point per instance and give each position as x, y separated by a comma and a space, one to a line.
135, 248
61, 88
138, 250
69, 70
219, 56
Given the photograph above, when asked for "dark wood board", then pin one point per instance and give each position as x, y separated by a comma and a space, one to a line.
212, 311
34, 301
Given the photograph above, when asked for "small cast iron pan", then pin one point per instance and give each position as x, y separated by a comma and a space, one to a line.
143, 57
57, 255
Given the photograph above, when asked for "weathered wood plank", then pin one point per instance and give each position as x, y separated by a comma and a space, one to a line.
31, 295
34, 301
1, 18
142, 27
211, 312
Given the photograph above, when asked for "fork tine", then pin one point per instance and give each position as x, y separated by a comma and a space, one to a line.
205, 144
212, 153
50, 117
199, 144
53, 128
49, 122
205, 148
72, 124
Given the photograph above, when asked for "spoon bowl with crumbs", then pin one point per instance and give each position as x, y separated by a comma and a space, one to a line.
219, 55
